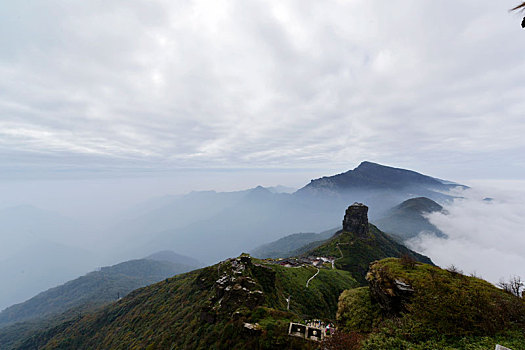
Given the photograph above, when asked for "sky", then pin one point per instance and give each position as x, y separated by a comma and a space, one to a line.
97, 88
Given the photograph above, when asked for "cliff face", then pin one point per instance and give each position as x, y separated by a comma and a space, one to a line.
391, 292
356, 220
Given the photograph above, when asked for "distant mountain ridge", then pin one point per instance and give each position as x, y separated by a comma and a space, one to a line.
376, 176
216, 217
171, 256
289, 245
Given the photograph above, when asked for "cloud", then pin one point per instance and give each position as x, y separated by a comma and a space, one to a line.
485, 237
260, 84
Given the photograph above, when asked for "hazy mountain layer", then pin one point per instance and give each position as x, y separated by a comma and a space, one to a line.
39, 266
231, 223
171, 256
93, 289
288, 245
408, 220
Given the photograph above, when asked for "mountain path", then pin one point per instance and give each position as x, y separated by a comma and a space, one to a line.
311, 278
340, 251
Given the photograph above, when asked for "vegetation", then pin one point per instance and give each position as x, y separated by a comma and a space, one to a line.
92, 289
184, 312
445, 310
354, 254
84, 294
357, 312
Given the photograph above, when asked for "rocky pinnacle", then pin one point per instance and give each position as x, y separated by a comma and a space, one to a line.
356, 220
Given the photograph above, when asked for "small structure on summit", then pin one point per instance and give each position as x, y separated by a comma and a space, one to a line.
356, 219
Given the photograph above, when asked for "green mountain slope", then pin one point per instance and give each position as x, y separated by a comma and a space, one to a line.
207, 308
360, 243
410, 305
93, 289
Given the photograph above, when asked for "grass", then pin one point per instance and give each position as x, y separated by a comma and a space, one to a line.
447, 310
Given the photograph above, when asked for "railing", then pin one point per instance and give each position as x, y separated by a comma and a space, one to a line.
307, 332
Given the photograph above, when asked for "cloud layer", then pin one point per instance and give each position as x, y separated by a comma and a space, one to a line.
160, 84
485, 236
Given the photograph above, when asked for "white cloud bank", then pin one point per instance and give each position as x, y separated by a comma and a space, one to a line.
485, 237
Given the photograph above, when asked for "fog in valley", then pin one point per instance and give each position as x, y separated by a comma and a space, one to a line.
56, 230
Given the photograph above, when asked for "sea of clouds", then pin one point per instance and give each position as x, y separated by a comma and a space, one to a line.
486, 231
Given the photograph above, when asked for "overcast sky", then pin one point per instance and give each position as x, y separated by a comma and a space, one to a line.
434, 86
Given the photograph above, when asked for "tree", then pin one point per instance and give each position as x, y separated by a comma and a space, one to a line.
342, 341
515, 285
519, 7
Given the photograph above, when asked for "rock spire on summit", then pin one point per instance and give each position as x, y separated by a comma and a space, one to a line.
356, 220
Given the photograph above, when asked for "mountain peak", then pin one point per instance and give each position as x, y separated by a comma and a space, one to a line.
260, 189
370, 175
366, 165
356, 219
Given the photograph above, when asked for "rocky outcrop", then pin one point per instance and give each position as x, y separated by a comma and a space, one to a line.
356, 220
235, 289
391, 293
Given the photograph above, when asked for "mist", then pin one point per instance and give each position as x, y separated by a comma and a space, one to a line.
55, 228
485, 229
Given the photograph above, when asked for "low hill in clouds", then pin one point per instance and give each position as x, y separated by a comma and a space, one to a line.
84, 294
38, 249
22, 225
94, 289
171, 256
408, 220
39, 266
289, 245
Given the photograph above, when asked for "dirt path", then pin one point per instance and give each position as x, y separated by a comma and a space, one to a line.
340, 251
